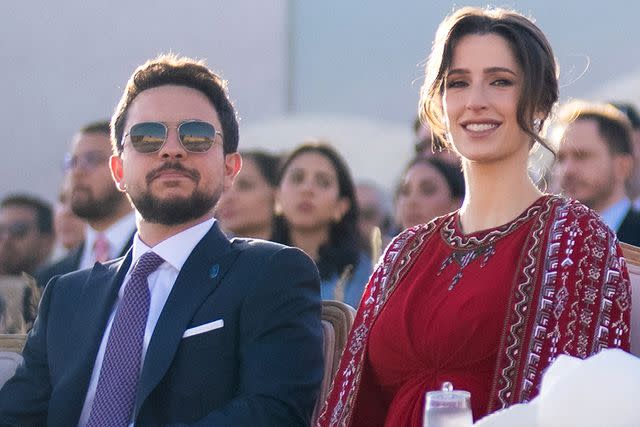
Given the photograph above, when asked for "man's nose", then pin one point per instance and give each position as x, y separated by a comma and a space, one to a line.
172, 147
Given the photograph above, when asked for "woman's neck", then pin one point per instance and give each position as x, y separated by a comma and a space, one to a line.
495, 194
309, 240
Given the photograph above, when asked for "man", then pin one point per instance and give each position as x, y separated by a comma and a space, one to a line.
633, 184
374, 213
26, 234
595, 159
232, 335
95, 198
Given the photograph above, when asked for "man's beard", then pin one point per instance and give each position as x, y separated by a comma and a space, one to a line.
91, 208
177, 210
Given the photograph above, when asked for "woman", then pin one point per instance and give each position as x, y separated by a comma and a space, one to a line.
319, 213
429, 188
246, 209
488, 296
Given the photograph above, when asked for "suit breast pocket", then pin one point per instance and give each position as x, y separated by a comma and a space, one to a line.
205, 335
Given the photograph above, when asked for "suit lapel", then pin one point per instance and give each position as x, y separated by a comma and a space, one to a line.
98, 296
74, 260
198, 278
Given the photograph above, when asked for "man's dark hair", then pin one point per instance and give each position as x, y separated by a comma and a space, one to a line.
170, 69
101, 126
44, 213
630, 111
613, 125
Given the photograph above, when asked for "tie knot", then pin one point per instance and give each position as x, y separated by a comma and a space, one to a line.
147, 264
101, 248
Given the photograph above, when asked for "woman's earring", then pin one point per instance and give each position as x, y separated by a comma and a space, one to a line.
537, 125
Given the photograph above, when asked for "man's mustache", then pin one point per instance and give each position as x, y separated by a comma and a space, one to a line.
173, 166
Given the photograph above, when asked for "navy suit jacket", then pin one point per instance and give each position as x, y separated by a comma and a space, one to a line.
262, 368
629, 230
70, 263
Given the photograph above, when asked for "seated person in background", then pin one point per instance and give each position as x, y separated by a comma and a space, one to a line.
595, 160
486, 297
188, 328
94, 198
429, 188
246, 209
19, 297
26, 234
374, 213
318, 213
69, 228
633, 184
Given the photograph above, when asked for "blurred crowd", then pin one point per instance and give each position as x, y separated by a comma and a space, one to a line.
309, 198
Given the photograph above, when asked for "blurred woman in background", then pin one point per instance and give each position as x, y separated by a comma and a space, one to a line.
429, 188
246, 209
318, 213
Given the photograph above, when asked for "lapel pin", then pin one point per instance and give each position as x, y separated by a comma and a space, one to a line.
213, 273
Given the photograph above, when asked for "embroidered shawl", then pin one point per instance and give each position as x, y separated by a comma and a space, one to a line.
571, 296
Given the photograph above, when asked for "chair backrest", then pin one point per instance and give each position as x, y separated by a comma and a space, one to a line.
10, 355
337, 319
632, 255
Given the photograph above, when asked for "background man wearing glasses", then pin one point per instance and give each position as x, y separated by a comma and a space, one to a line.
189, 327
26, 241
95, 198
26, 234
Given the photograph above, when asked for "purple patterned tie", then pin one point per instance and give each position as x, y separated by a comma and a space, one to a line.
116, 390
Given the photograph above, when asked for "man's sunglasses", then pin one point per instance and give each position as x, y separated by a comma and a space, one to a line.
194, 135
17, 230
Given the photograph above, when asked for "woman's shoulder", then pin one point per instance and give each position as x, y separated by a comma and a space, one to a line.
419, 232
578, 216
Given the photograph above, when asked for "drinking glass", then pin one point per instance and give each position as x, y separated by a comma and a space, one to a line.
447, 408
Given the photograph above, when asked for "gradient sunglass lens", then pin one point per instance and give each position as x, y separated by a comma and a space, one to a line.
196, 137
148, 137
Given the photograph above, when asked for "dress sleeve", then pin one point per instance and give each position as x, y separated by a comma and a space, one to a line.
593, 305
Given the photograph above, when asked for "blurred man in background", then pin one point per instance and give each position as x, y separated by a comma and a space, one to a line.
95, 198
594, 162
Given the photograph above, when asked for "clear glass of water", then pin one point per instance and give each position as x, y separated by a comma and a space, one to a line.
447, 408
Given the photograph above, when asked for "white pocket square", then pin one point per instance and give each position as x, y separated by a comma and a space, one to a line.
216, 324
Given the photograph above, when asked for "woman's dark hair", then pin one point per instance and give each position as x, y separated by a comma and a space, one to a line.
452, 174
343, 247
266, 163
530, 48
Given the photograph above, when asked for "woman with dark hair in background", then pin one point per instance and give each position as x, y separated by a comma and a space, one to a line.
318, 213
489, 296
246, 209
429, 188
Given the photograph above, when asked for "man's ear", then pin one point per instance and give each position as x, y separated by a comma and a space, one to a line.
623, 164
117, 172
232, 165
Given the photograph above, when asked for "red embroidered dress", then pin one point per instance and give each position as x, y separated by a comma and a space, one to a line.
487, 311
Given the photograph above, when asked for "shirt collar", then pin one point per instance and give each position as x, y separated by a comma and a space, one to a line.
614, 214
118, 233
176, 249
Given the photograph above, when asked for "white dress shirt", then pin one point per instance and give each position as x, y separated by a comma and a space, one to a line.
117, 235
175, 250
614, 215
